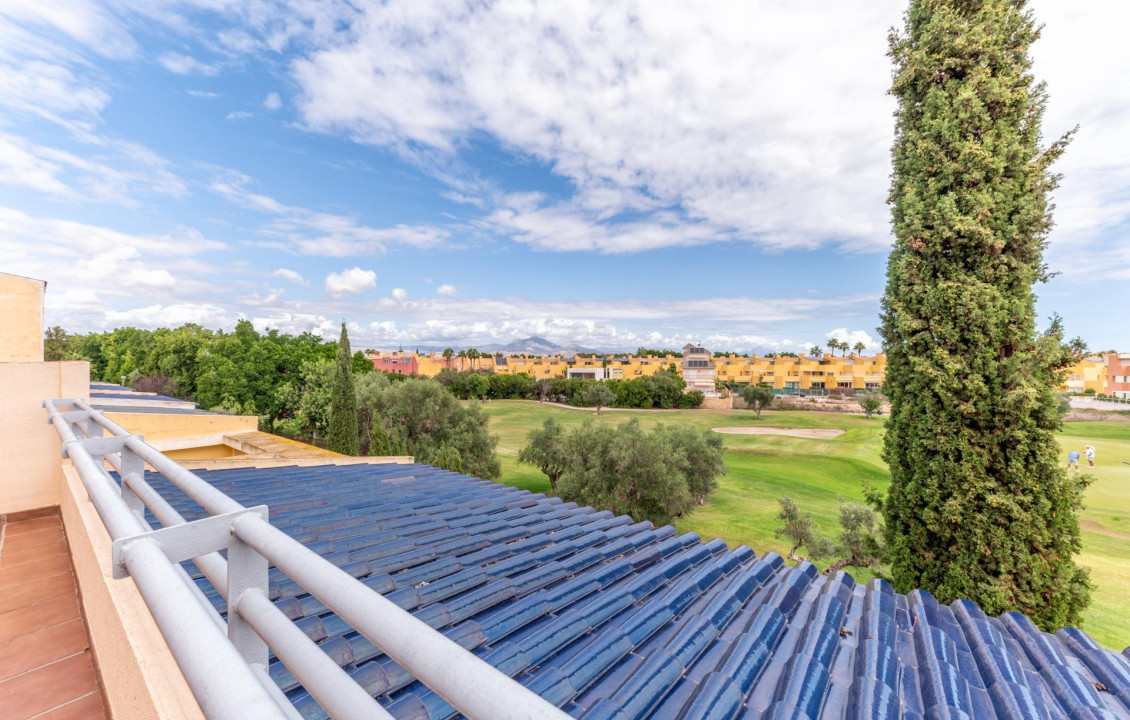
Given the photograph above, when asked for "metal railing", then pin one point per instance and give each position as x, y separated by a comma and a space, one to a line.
225, 663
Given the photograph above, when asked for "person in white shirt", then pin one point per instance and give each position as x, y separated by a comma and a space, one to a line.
1090, 450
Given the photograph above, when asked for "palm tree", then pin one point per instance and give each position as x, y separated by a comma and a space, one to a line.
833, 345
462, 357
473, 355
448, 353
814, 351
860, 347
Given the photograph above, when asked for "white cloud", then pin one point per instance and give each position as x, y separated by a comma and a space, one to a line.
154, 316
202, 94
290, 275
350, 282
238, 115
399, 294
759, 324
92, 270
705, 121
186, 65
272, 102
310, 232
446, 290
88, 22
117, 173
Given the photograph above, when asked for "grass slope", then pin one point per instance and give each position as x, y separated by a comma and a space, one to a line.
816, 473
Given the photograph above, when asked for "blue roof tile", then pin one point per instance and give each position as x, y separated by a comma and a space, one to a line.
617, 620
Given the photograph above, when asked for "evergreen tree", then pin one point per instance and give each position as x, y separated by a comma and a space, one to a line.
379, 442
343, 436
978, 506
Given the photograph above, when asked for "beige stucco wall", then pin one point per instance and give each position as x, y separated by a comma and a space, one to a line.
140, 678
157, 426
204, 452
31, 476
21, 319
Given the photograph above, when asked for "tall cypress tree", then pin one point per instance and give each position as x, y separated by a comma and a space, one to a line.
979, 506
343, 435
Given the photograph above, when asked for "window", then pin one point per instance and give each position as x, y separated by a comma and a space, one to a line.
843, 384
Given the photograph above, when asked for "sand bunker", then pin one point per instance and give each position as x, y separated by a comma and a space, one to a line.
812, 433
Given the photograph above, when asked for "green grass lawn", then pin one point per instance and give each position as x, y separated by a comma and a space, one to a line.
816, 473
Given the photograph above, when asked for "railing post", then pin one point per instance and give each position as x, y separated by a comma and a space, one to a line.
247, 571
132, 467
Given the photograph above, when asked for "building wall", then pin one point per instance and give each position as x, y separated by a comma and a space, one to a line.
139, 677
160, 426
1118, 375
1087, 374
21, 319
31, 449
204, 452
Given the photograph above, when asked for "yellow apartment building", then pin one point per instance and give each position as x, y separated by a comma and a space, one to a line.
824, 374
1090, 373
832, 375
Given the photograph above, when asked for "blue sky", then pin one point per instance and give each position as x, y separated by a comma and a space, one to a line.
449, 173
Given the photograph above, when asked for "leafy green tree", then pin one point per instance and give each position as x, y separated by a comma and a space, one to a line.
625, 471
757, 397
696, 455
58, 344
597, 395
666, 389
379, 442
478, 385
343, 436
978, 506
306, 400
546, 449
360, 364
368, 388
545, 390
801, 531
654, 476
859, 543
871, 402
691, 399
422, 417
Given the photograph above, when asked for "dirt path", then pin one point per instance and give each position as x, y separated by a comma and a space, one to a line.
811, 433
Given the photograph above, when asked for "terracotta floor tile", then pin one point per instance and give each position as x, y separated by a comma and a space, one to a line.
19, 622
31, 538
48, 687
86, 708
19, 528
52, 511
36, 591
17, 555
36, 649
33, 570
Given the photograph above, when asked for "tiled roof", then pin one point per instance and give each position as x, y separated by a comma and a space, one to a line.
616, 620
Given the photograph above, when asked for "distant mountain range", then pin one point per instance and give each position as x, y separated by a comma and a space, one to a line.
535, 346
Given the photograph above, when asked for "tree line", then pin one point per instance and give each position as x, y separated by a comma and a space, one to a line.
664, 389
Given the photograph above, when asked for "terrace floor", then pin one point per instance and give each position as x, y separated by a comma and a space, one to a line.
46, 669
